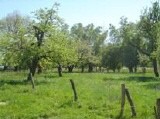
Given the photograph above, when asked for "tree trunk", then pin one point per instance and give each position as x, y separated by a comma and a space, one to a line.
5, 68
70, 68
130, 69
143, 69
59, 70
33, 65
29, 78
155, 67
82, 68
135, 69
96, 69
31, 73
16, 68
100, 68
39, 34
90, 67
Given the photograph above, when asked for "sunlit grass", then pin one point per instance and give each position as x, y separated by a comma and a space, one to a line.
99, 95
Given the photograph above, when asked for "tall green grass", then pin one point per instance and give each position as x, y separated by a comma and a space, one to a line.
99, 95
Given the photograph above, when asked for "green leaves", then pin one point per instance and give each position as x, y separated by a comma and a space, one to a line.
112, 57
19, 39
60, 48
89, 40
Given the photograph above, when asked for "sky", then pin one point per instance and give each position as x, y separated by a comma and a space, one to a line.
99, 12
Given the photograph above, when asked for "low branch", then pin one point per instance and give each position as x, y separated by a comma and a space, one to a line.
141, 50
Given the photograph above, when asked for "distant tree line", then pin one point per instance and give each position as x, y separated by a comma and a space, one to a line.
46, 41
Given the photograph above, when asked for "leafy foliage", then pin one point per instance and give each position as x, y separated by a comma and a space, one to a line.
112, 57
44, 38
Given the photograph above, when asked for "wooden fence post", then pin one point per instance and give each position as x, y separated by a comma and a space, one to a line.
74, 90
158, 109
131, 103
155, 111
122, 99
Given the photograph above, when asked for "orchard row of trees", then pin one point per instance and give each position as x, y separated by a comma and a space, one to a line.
137, 43
46, 41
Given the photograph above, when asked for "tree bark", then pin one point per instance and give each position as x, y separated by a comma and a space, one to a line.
5, 68
59, 70
130, 69
70, 68
29, 78
143, 69
155, 67
90, 67
118, 70
135, 69
100, 68
16, 68
34, 65
82, 68
39, 34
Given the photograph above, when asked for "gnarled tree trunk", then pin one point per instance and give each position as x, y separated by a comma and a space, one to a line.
90, 67
70, 68
82, 68
59, 70
155, 67
130, 69
32, 66
135, 69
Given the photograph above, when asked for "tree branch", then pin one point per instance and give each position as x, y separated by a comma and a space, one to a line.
141, 50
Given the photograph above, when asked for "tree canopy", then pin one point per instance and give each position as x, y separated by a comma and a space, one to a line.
46, 41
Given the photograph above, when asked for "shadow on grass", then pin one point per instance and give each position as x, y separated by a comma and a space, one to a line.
134, 78
68, 103
142, 78
50, 76
24, 82
12, 82
155, 86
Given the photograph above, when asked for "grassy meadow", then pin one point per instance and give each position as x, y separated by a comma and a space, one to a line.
99, 95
